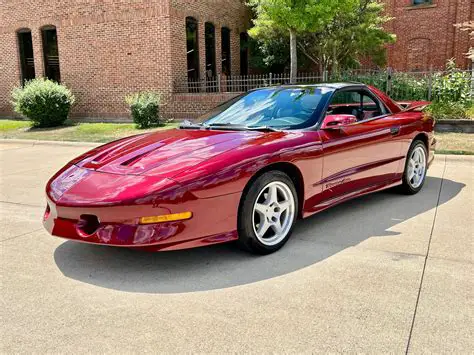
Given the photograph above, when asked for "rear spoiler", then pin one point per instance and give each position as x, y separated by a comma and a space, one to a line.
414, 105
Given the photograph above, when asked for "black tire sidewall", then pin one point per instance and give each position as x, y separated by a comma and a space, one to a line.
247, 237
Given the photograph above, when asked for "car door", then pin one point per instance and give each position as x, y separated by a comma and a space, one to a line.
361, 155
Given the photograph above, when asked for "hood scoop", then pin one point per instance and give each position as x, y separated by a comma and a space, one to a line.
134, 159
124, 155
166, 153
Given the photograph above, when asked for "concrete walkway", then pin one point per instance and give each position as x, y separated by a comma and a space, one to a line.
381, 274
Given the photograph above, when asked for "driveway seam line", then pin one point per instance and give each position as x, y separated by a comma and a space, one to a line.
21, 235
21, 204
426, 260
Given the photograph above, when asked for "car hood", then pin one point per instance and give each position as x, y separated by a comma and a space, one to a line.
162, 154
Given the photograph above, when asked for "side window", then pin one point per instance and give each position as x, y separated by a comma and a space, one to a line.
371, 108
346, 98
346, 103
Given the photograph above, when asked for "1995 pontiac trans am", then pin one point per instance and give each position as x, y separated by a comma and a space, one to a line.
246, 172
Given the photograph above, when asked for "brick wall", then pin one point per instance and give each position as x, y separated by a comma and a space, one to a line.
108, 49
426, 35
190, 106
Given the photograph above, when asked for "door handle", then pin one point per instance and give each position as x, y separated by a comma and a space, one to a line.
394, 130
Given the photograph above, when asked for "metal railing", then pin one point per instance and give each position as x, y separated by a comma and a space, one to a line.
399, 85
240, 83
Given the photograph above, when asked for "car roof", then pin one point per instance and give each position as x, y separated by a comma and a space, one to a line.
335, 86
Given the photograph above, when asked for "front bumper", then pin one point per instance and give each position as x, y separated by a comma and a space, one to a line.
214, 221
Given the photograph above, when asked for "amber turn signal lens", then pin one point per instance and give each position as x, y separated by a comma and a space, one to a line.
166, 218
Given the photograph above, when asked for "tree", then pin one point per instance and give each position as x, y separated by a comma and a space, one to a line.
270, 54
295, 17
349, 37
339, 44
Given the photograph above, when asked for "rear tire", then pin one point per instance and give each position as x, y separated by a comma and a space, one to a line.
416, 165
267, 213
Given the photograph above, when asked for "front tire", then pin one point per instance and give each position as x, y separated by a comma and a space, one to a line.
414, 175
267, 213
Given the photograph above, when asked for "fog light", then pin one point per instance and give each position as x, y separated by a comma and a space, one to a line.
166, 218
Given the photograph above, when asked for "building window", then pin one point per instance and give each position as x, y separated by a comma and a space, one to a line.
244, 53
192, 48
51, 53
225, 50
27, 62
210, 39
422, 2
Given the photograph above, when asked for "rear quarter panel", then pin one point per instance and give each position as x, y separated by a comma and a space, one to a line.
415, 124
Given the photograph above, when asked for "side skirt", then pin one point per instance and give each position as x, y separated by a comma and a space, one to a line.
340, 199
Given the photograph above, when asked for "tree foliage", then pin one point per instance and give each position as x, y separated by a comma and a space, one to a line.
354, 30
294, 18
350, 37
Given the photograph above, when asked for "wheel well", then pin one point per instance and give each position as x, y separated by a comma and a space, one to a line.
422, 137
293, 173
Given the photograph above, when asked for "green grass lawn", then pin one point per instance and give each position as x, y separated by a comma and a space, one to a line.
448, 143
455, 143
74, 132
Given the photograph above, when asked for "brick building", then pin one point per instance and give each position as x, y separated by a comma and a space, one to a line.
106, 49
425, 33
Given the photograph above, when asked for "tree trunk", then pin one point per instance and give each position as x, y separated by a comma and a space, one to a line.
293, 57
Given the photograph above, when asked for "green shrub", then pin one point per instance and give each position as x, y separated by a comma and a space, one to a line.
145, 108
470, 111
447, 110
45, 102
451, 94
404, 86
454, 86
407, 86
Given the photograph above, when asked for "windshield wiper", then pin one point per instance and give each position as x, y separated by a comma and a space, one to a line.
263, 128
224, 126
241, 127
186, 124
232, 126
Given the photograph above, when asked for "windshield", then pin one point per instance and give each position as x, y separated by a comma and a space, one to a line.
284, 108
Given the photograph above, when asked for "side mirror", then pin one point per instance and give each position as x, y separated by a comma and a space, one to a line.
337, 121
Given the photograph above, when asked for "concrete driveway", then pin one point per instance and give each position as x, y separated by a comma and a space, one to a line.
382, 273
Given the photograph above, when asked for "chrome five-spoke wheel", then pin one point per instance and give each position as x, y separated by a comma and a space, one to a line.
273, 213
416, 167
267, 212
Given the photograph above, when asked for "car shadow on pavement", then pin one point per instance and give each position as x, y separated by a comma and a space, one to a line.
220, 266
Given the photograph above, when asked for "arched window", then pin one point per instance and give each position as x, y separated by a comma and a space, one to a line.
225, 51
244, 53
192, 48
27, 62
50, 53
210, 39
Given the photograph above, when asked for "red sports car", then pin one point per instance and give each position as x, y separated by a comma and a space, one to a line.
244, 172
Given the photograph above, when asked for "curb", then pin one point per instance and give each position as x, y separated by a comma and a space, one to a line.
457, 126
40, 142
